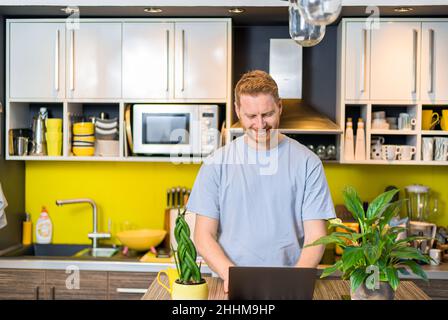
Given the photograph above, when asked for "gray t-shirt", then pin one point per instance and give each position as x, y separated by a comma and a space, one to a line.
261, 199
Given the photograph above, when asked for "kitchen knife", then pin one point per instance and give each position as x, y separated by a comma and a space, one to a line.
173, 194
182, 197
168, 198
178, 197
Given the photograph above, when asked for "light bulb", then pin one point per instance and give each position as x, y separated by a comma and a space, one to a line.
320, 12
305, 34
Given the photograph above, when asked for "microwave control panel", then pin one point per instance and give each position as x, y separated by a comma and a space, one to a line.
208, 117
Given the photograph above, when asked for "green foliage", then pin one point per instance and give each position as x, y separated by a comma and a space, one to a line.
375, 244
186, 254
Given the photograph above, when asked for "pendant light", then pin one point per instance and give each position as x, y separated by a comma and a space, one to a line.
305, 34
320, 12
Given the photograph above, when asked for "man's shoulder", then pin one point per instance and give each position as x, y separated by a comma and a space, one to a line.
300, 151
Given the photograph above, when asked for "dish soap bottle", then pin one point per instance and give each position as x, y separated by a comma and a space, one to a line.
349, 147
360, 148
44, 227
27, 234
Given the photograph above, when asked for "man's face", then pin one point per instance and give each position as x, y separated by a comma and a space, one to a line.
259, 115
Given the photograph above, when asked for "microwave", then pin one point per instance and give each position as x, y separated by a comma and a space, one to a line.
175, 129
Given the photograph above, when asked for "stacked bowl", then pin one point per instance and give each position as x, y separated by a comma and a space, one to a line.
83, 143
53, 136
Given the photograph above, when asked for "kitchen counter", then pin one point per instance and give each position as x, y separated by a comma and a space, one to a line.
324, 290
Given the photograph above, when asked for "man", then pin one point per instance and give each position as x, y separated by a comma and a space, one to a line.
248, 214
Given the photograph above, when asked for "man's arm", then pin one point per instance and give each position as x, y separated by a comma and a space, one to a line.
205, 238
311, 256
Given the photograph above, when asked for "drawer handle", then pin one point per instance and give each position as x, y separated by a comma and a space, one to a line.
131, 290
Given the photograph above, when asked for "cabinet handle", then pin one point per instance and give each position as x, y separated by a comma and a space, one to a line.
431, 61
56, 62
53, 293
363, 60
36, 293
72, 61
183, 60
414, 64
167, 59
131, 290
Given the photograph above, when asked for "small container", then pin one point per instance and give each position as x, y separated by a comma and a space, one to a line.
27, 231
44, 228
349, 145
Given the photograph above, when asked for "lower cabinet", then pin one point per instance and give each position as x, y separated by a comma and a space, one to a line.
435, 289
24, 284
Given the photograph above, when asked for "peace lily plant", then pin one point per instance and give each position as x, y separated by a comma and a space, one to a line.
374, 248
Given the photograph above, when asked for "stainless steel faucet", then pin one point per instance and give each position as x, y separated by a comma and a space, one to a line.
95, 235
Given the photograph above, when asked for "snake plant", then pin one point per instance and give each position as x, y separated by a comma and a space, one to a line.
185, 255
376, 246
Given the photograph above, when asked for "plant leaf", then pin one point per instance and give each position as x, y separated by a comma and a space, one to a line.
407, 253
416, 269
378, 204
392, 277
352, 256
353, 203
332, 269
390, 211
327, 240
372, 253
356, 279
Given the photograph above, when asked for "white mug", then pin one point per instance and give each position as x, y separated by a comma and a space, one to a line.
428, 148
405, 122
406, 153
375, 149
390, 152
436, 256
440, 149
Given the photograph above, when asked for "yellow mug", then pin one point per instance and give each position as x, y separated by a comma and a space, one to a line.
444, 120
172, 276
429, 119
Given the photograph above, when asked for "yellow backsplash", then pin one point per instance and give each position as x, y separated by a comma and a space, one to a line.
136, 192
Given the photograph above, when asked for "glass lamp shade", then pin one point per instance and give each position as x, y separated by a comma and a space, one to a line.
305, 34
320, 12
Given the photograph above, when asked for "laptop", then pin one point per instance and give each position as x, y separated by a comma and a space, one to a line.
271, 283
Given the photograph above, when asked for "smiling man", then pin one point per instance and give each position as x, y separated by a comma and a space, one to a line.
249, 214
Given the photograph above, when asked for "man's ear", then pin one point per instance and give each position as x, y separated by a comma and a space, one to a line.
237, 110
280, 105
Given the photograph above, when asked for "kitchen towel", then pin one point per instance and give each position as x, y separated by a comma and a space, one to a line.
3, 205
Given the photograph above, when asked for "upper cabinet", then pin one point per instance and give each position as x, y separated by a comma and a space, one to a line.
434, 68
394, 61
148, 60
36, 60
94, 61
201, 68
357, 59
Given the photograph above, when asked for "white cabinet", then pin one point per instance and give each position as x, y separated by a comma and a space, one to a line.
434, 68
36, 60
357, 59
201, 60
394, 59
94, 61
148, 60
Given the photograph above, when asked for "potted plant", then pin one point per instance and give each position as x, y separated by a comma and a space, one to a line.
373, 257
190, 285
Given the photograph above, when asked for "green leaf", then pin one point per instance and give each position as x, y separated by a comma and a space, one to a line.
330, 270
416, 269
409, 253
343, 226
372, 253
352, 256
392, 277
353, 203
356, 279
403, 271
391, 211
327, 240
378, 205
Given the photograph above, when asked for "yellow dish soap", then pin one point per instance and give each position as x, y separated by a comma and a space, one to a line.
44, 228
27, 234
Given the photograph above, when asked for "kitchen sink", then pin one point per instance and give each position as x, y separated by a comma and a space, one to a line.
98, 252
47, 250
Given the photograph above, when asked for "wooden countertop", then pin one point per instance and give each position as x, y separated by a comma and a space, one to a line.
324, 290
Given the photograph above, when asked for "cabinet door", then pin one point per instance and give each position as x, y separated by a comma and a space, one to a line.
357, 61
129, 285
22, 284
201, 60
37, 60
64, 286
148, 60
94, 61
434, 79
394, 61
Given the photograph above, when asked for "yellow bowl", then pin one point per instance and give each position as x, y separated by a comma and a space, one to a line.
90, 138
83, 151
83, 128
141, 240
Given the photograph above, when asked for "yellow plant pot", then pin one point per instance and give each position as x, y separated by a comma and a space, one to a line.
189, 291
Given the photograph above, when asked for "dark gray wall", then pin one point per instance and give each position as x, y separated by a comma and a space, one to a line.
12, 173
251, 51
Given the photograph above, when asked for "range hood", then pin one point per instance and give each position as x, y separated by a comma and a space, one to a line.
285, 66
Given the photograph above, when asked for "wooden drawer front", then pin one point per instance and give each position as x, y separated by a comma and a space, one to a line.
92, 285
22, 284
436, 289
122, 285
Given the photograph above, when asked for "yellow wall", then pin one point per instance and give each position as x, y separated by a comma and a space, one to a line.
136, 192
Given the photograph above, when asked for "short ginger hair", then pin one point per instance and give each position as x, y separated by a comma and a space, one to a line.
255, 82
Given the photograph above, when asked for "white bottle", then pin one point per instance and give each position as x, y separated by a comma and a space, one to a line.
360, 147
349, 153
44, 227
